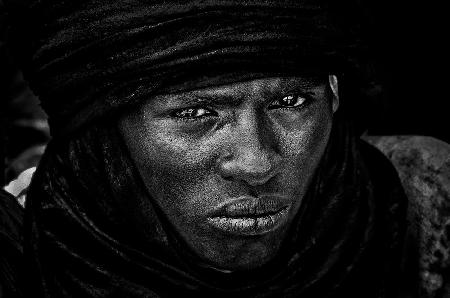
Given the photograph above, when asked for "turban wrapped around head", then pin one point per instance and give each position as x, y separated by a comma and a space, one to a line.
86, 58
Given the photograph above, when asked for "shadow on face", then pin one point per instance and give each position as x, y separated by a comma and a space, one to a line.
229, 165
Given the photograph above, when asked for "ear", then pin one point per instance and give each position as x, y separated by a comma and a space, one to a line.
333, 81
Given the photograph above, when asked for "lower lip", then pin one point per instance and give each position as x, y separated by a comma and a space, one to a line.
250, 226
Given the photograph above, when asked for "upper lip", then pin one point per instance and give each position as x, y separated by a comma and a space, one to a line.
248, 206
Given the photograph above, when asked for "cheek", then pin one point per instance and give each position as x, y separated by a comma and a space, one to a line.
302, 147
304, 140
177, 170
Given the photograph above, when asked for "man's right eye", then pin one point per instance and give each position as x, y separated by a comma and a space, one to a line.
192, 113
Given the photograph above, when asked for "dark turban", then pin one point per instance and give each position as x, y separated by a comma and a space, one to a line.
86, 58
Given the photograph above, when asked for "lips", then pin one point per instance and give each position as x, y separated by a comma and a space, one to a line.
250, 216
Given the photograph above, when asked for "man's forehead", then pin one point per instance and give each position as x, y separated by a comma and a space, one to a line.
264, 85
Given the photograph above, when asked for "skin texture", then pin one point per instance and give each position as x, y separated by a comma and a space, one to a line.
199, 149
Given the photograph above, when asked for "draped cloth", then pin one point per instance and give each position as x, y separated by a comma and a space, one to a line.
11, 254
85, 59
84, 239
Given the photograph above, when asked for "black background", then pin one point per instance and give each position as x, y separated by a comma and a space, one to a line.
411, 41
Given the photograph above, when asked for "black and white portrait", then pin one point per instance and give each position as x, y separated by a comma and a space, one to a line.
207, 148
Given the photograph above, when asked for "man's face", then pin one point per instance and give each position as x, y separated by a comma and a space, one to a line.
229, 165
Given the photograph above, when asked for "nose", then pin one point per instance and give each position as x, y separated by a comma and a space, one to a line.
251, 153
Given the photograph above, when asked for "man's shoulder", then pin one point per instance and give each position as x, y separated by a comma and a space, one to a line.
423, 165
413, 151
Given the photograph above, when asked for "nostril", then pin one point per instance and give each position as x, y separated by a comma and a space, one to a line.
249, 178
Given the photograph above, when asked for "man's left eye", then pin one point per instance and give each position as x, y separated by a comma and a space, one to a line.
289, 101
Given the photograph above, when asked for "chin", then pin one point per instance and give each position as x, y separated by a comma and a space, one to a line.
244, 254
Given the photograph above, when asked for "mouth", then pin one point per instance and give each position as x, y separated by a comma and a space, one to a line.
250, 216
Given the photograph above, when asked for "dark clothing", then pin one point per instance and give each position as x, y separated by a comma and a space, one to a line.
84, 240
11, 217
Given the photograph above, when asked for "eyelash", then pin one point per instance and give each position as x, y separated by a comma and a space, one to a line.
209, 112
306, 98
176, 114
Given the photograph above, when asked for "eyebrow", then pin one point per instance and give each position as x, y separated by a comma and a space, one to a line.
210, 99
306, 83
236, 97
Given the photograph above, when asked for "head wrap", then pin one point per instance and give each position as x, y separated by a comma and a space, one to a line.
86, 58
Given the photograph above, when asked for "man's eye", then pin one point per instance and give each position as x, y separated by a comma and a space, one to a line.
289, 101
191, 113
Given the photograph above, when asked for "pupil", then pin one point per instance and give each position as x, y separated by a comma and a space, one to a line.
289, 100
187, 113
